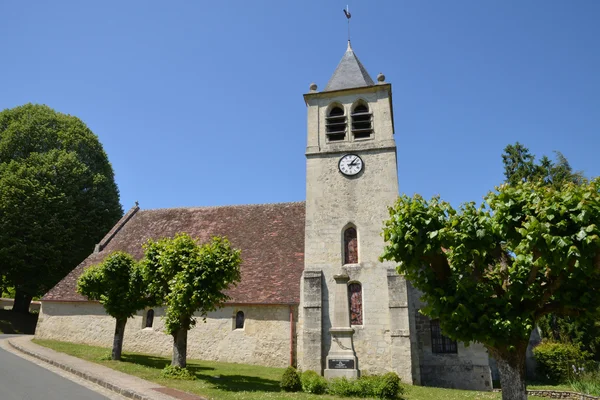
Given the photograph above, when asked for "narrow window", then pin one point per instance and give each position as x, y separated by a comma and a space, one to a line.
439, 342
335, 124
350, 246
149, 318
239, 320
355, 295
361, 122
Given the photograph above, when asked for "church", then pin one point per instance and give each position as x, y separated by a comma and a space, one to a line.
313, 292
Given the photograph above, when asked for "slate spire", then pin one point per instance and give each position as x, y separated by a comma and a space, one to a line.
350, 73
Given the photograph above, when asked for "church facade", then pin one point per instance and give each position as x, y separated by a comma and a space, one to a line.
313, 291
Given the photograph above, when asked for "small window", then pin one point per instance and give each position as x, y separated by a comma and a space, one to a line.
335, 124
350, 246
149, 318
439, 342
361, 122
239, 320
355, 298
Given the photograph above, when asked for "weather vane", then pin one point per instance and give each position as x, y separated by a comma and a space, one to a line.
348, 16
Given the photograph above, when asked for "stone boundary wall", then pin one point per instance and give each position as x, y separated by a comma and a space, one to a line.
557, 394
7, 304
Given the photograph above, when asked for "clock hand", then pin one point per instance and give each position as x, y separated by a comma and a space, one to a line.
354, 161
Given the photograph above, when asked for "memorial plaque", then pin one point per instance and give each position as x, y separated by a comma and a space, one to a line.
341, 363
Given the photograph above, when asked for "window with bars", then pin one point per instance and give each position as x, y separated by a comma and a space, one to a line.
440, 343
355, 298
361, 122
335, 124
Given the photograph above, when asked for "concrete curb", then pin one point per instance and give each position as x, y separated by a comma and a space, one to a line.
92, 378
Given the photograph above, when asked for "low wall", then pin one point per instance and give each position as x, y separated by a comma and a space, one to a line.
264, 340
7, 304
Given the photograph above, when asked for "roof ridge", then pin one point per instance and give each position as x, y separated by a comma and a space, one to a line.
224, 206
120, 224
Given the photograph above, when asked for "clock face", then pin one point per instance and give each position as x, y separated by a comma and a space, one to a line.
350, 164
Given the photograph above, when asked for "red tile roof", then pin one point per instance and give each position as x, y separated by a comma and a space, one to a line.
271, 237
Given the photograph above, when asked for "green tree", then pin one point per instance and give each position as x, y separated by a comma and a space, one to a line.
186, 278
58, 198
519, 165
118, 285
489, 273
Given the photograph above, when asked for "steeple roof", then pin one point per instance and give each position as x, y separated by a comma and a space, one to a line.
350, 73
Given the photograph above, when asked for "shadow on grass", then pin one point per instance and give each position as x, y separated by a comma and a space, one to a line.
239, 383
157, 362
225, 382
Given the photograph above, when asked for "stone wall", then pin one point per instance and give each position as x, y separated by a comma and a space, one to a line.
264, 340
468, 368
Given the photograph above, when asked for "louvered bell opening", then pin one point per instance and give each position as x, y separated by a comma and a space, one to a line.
361, 122
335, 125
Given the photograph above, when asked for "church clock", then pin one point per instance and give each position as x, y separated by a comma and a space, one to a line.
350, 164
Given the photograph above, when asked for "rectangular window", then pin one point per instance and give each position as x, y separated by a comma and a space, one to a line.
439, 342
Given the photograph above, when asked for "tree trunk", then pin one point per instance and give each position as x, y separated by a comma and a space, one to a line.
118, 339
22, 302
179, 348
511, 365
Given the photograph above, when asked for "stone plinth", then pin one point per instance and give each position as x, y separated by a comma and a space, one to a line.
341, 360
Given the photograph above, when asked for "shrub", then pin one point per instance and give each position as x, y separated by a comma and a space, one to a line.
343, 387
379, 386
172, 372
587, 383
557, 361
390, 386
313, 382
290, 381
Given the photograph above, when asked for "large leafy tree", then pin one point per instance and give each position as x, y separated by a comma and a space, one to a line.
188, 278
58, 197
520, 166
118, 285
489, 273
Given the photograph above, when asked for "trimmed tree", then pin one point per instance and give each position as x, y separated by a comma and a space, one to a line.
58, 198
187, 278
489, 273
118, 285
520, 165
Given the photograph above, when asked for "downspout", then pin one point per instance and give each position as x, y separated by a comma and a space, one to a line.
291, 336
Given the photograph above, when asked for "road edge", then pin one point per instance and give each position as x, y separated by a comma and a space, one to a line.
90, 377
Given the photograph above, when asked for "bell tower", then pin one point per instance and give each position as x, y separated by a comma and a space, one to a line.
353, 312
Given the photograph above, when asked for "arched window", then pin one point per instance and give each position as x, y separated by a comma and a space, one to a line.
335, 124
355, 298
350, 246
149, 318
361, 122
239, 320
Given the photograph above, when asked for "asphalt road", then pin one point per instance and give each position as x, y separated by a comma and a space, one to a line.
23, 380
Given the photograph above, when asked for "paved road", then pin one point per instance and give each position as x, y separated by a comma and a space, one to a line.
23, 380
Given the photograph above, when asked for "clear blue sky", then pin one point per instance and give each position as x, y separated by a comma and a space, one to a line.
200, 102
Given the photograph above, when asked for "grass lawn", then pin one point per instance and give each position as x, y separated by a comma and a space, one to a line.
11, 322
218, 380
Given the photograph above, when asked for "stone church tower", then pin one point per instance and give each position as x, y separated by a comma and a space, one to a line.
353, 312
